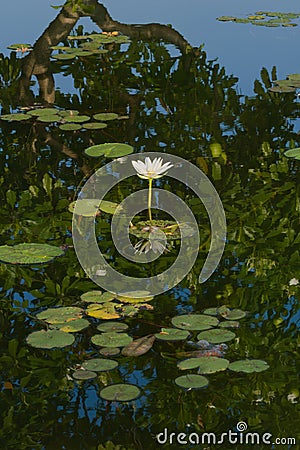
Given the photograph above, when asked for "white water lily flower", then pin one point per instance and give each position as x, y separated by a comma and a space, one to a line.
293, 282
151, 169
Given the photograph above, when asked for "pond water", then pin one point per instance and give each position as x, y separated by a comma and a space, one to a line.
167, 95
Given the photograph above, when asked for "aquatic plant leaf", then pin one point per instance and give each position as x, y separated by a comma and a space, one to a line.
120, 392
112, 150
100, 364
233, 314
108, 207
294, 76
86, 207
29, 253
94, 126
191, 381
50, 339
50, 118
249, 365
139, 346
216, 336
226, 18
194, 322
282, 89
172, 334
17, 117
112, 326
293, 153
111, 339
206, 364
68, 112
97, 297
43, 112
109, 351
84, 375
70, 127
105, 116
19, 46
73, 325
105, 311
229, 324
211, 311
60, 314
77, 119
135, 297
63, 56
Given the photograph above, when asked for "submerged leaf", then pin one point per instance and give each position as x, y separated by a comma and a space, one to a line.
139, 346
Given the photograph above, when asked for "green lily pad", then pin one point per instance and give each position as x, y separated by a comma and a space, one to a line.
29, 253
63, 56
248, 365
94, 126
194, 322
111, 339
109, 351
233, 314
97, 297
120, 392
216, 336
229, 324
17, 117
294, 76
77, 119
100, 364
19, 46
172, 334
282, 89
108, 207
86, 207
43, 112
117, 327
106, 311
211, 311
60, 315
84, 375
68, 113
50, 339
293, 153
49, 118
73, 326
135, 297
59, 47
70, 127
105, 116
206, 364
113, 150
191, 381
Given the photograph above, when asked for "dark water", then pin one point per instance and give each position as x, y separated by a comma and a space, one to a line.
184, 104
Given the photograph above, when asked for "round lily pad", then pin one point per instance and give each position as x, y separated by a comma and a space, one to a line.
293, 153
249, 365
61, 314
117, 327
206, 364
84, 375
109, 351
216, 336
19, 46
100, 364
120, 392
104, 311
29, 253
77, 119
63, 56
229, 324
105, 116
70, 127
108, 207
50, 339
172, 334
234, 314
43, 111
50, 118
84, 207
194, 322
68, 113
94, 126
191, 381
113, 150
111, 339
97, 297
73, 325
135, 297
15, 117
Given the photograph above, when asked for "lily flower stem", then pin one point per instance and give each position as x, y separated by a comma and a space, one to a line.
150, 199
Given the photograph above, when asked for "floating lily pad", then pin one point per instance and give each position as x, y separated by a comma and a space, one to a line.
59, 47
97, 297
248, 365
50, 339
84, 375
100, 364
229, 324
108, 207
73, 326
105, 116
77, 119
84, 207
49, 118
211, 311
120, 392
63, 56
104, 311
109, 351
191, 381
206, 364
94, 126
60, 315
70, 127
172, 334
68, 113
194, 322
135, 297
19, 46
293, 153
43, 111
216, 336
18, 117
111, 339
232, 314
113, 150
29, 253
112, 326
